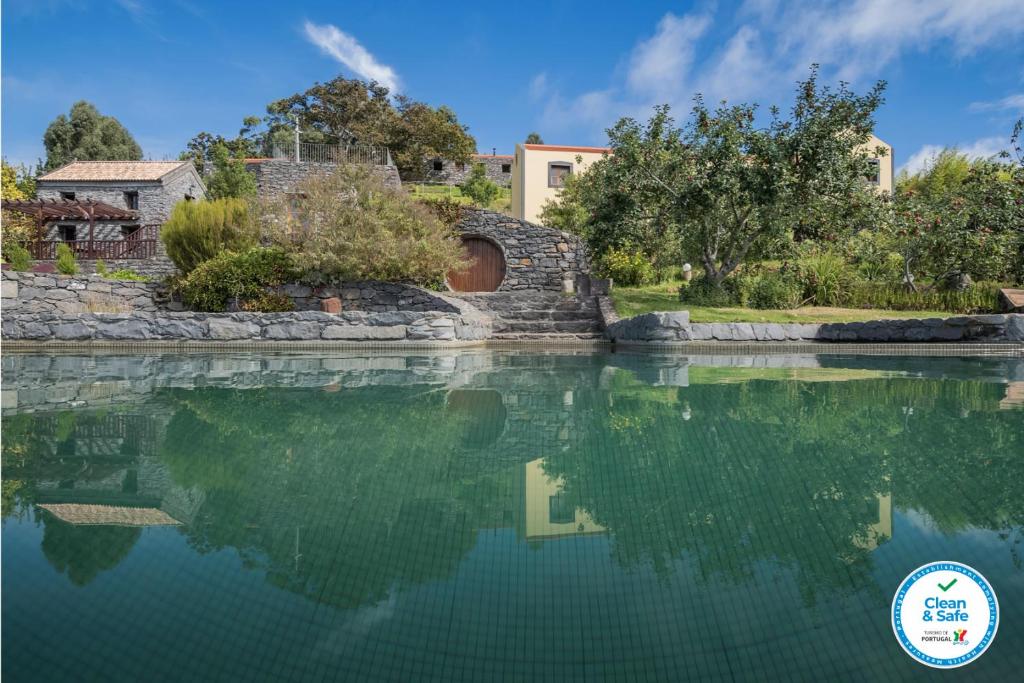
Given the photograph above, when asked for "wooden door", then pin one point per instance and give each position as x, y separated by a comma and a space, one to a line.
487, 270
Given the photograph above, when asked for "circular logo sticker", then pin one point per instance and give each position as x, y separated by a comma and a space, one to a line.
945, 614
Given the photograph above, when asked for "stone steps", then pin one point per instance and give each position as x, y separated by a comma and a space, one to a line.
550, 337
539, 313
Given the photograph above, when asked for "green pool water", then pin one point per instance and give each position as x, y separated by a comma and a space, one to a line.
498, 516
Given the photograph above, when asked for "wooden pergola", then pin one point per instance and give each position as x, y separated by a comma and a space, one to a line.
47, 211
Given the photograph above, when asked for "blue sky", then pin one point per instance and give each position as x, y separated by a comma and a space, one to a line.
170, 68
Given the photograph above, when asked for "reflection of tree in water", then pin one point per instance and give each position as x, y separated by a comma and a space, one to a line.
82, 552
337, 495
789, 472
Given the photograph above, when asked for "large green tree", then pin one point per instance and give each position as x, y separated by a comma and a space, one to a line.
346, 110
87, 135
248, 143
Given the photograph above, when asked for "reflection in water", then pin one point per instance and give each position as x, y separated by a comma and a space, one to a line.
410, 516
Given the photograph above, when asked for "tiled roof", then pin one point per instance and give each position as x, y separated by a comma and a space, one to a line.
114, 170
79, 513
567, 148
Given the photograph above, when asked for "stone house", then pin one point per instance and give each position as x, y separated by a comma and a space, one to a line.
498, 168
149, 188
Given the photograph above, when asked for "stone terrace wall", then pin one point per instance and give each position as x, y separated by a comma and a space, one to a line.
55, 293
536, 257
370, 297
305, 326
676, 327
274, 176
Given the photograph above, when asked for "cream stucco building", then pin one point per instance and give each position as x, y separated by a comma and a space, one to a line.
883, 177
539, 171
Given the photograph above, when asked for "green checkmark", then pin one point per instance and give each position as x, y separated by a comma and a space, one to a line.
947, 586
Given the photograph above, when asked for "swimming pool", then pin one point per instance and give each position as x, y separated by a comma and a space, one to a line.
485, 515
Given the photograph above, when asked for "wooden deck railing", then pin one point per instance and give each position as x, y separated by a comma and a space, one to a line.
141, 244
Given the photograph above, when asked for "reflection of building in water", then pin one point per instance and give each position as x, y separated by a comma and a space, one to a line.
881, 531
546, 512
103, 470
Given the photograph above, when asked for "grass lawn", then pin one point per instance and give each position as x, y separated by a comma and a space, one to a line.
425, 191
630, 301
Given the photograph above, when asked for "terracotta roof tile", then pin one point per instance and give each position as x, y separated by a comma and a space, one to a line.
113, 170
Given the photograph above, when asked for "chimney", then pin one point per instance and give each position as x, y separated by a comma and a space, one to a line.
494, 151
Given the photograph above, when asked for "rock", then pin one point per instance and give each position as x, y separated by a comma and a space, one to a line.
75, 330
1015, 327
292, 331
138, 328
226, 329
368, 332
331, 305
1012, 300
8, 289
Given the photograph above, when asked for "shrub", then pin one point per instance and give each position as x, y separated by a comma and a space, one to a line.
350, 226
66, 260
447, 210
626, 268
702, 292
978, 298
826, 278
478, 187
18, 257
268, 302
198, 231
101, 268
126, 274
770, 290
244, 276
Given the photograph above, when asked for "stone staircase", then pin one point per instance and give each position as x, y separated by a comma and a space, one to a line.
533, 315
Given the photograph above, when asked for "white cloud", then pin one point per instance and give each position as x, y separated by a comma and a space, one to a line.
979, 149
770, 45
660, 65
350, 52
1012, 102
539, 86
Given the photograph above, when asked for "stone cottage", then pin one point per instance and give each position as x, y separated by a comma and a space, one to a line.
497, 167
148, 188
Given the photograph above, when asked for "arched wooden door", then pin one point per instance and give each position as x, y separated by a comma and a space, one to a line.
487, 271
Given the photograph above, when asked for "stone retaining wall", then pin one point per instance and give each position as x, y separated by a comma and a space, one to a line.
370, 297
467, 325
277, 176
676, 327
54, 293
536, 257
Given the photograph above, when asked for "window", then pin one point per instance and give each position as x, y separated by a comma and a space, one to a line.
558, 171
506, 168
560, 510
68, 195
460, 167
872, 176
129, 231
438, 165
131, 200
67, 232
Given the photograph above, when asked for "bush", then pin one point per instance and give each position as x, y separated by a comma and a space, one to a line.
447, 210
244, 276
198, 231
125, 274
350, 226
66, 260
268, 302
478, 187
825, 279
18, 257
978, 298
702, 292
770, 290
101, 268
626, 268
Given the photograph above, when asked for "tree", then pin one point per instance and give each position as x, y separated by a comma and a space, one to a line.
944, 173
344, 111
9, 183
566, 212
248, 143
534, 139
87, 135
728, 185
18, 228
478, 187
229, 177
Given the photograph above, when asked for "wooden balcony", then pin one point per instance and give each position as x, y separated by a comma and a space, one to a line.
141, 244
